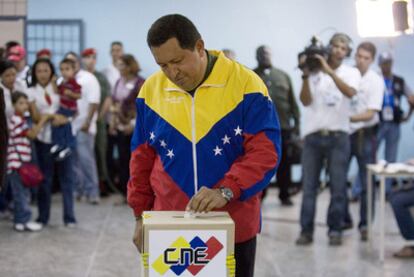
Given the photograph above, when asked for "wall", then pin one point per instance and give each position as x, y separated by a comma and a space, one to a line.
286, 26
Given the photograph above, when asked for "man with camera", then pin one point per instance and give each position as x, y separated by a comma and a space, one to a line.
327, 88
281, 92
364, 122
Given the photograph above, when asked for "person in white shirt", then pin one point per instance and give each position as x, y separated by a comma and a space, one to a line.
84, 127
43, 100
326, 92
364, 124
112, 72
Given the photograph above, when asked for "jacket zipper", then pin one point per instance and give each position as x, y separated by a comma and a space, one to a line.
193, 141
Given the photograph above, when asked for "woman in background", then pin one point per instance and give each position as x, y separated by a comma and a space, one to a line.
44, 99
122, 120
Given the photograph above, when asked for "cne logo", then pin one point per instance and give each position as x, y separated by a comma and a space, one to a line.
192, 256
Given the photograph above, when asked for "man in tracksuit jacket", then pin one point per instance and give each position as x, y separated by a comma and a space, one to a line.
207, 136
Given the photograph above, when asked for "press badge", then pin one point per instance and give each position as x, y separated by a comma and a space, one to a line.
388, 113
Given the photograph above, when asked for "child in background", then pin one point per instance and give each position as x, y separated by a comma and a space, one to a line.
63, 140
19, 151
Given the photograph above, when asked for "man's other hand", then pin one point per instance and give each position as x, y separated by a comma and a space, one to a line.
137, 238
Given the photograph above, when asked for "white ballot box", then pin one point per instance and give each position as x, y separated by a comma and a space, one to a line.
174, 245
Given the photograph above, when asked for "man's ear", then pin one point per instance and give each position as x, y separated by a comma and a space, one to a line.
199, 47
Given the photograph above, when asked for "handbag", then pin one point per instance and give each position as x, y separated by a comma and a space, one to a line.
30, 174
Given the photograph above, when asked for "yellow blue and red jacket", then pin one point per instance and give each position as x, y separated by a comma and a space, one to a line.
226, 135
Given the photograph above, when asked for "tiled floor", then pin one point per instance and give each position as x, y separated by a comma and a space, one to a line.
101, 246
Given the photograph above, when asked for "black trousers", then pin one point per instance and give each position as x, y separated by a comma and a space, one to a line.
283, 175
283, 178
118, 167
245, 254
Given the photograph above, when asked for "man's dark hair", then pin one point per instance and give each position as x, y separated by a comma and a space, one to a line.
15, 96
11, 44
117, 43
368, 46
173, 26
36, 63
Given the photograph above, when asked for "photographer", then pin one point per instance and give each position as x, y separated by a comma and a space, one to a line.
326, 92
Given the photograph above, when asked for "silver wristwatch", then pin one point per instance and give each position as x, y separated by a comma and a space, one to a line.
227, 193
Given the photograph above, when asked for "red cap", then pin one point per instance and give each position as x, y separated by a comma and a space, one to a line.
88, 52
16, 53
43, 52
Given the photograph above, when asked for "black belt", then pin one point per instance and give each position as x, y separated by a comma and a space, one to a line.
372, 130
327, 133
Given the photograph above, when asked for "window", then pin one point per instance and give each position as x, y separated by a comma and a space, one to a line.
60, 36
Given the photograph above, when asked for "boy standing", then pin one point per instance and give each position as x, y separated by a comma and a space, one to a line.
19, 152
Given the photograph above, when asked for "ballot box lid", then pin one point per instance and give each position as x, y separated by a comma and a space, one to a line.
155, 218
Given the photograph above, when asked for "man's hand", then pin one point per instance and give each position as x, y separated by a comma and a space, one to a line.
85, 127
206, 200
128, 129
137, 238
302, 65
59, 120
325, 66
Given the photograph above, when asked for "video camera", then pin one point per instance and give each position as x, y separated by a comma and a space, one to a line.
311, 62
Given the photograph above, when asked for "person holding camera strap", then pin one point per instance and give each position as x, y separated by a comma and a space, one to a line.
364, 124
326, 93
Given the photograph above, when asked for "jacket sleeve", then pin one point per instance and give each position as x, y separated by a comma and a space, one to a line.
252, 171
140, 195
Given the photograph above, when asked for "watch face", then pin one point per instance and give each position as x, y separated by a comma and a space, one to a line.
227, 193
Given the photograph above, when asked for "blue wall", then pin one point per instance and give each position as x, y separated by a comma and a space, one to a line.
286, 26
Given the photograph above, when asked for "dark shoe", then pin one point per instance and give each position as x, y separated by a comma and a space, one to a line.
347, 225
304, 239
354, 199
405, 253
286, 202
364, 234
335, 240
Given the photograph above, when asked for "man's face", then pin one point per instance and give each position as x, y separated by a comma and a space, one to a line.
363, 59
339, 50
116, 52
89, 62
183, 67
386, 67
264, 57
20, 64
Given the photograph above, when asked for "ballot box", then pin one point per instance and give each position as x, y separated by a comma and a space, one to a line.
177, 245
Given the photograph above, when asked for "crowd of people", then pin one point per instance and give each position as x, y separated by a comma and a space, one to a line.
78, 123
81, 124
349, 111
